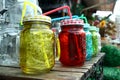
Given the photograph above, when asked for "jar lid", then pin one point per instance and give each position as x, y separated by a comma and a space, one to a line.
37, 18
97, 29
86, 26
92, 28
72, 22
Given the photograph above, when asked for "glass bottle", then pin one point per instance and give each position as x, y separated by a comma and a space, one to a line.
36, 45
99, 39
94, 40
72, 42
89, 48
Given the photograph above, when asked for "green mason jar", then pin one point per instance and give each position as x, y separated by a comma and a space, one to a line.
94, 40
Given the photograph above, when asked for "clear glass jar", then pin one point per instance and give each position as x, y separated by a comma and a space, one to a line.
89, 48
72, 42
94, 40
1, 38
99, 39
36, 45
9, 48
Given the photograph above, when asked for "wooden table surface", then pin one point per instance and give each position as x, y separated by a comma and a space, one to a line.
57, 73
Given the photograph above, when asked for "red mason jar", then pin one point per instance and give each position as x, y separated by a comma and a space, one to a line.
72, 42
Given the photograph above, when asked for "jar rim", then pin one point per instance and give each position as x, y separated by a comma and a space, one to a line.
40, 18
72, 22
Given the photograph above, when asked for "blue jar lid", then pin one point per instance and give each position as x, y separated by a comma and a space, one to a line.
93, 28
86, 25
97, 29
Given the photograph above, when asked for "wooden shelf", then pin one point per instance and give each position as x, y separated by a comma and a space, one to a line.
57, 73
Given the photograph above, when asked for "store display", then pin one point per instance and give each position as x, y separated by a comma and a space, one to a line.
72, 42
36, 45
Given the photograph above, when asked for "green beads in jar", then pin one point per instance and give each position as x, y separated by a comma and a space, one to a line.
36, 45
94, 40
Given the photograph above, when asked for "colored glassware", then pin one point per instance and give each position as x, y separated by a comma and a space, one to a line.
36, 45
72, 42
89, 48
94, 40
99, 39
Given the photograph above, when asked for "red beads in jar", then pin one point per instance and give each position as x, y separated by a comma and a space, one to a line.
72, 42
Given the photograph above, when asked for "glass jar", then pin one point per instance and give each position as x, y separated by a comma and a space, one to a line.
89, 48
36, 45
9, 48
94, 40
1, 38
72, 42
99, 39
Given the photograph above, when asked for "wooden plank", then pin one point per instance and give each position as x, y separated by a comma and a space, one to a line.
94, 60
87, 68
69, 69
59, 72
15, 73
87, 65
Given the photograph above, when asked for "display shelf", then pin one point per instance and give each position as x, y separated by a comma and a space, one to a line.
58, 72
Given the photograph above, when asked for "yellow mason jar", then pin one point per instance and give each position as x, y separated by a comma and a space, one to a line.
36, 45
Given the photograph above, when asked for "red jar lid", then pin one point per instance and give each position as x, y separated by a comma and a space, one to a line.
72, 22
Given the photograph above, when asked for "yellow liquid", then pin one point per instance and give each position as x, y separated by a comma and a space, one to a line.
57, 49
36, 51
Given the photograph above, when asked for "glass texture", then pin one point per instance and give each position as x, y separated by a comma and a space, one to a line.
72, 45
36, 47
